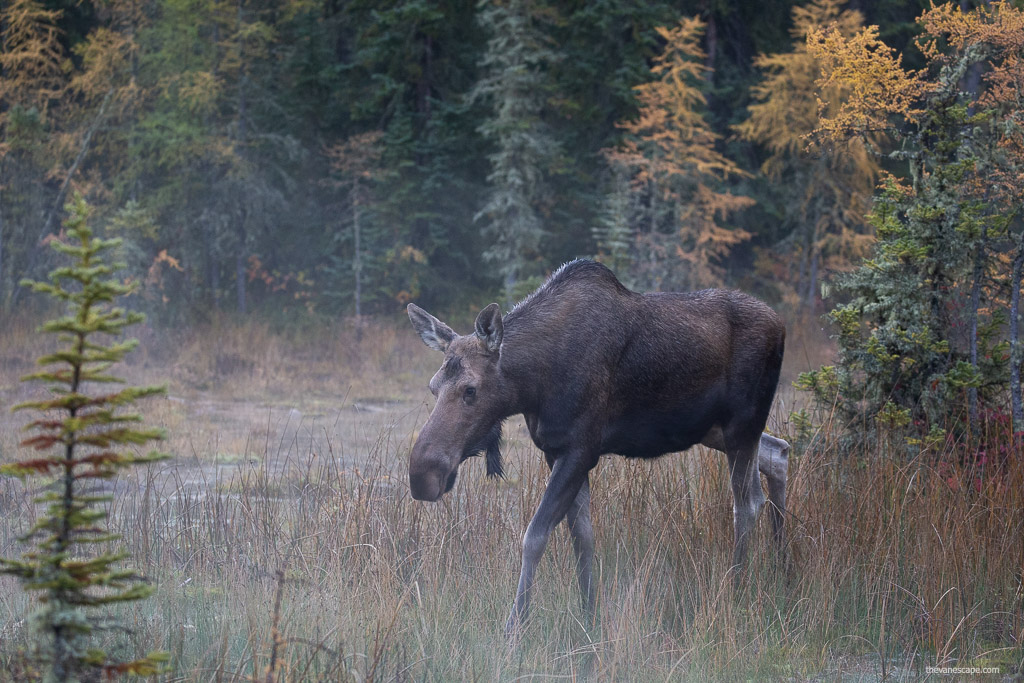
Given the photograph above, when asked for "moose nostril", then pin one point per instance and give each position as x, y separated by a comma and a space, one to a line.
451, 480
425, 486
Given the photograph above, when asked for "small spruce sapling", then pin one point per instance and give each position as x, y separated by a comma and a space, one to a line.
81, 436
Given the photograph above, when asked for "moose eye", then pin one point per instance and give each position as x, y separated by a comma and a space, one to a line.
469, 395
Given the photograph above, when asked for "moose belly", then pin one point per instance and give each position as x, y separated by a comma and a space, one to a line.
650, 434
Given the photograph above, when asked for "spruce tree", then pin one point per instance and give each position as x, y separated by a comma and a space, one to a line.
81, 435
515, 85
612, 234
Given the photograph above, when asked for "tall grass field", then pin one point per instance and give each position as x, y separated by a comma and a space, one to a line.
284, 544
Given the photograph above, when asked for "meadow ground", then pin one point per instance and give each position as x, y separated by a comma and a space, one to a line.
284, 545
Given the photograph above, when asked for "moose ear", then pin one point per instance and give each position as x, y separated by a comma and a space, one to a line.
490, 328
432, 331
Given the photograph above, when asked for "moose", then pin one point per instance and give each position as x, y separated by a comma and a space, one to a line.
596, 368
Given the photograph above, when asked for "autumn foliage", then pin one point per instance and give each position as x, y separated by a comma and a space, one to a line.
676, 170
928, 326
824, 190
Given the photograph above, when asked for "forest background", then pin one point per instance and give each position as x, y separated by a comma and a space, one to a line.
342, 158
319, 160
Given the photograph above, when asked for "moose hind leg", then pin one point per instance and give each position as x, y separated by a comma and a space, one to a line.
582, 531
773, 461
747, 497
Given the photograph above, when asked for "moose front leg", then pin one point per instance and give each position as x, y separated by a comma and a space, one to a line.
567, 477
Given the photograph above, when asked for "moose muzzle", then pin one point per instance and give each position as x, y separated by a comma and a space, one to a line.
430, 477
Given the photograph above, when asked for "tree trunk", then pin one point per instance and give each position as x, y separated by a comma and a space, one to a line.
240, 279
4, 295
423, 84
58, 203
3, 290
1016, 400
243, 134
812, 282
971, 81
805, 265
813, 252
212, 268
357, 260
979, 271
711, 39
510, 285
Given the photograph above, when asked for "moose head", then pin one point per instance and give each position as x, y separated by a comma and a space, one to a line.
471, 402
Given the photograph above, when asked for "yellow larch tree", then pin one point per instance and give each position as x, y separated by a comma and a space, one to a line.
871, 74
827, 190
33, 77
107, 99
997, 30
32, 60
670, 153
108, 84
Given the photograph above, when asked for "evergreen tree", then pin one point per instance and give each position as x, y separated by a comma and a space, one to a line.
612, 234
82, 436
605, 48
213, 154
515, 85
203, 122
356, 165
918, 335
410, 66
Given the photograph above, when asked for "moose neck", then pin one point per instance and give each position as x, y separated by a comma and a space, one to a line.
527, 352
553, 333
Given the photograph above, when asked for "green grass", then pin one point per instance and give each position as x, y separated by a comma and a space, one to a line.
898, 564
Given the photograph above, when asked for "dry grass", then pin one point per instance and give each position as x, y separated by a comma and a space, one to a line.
299, 555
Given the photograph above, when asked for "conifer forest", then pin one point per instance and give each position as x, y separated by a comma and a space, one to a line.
256, 190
